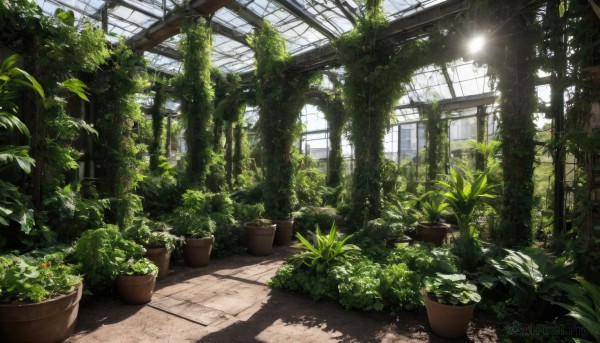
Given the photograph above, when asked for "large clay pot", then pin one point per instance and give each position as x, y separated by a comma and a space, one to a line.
48, 321
448, 321
136, 289
283, 233
432, 233
196, 251
160, 257
259, 239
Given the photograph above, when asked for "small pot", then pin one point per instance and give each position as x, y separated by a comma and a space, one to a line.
196, 251
432, 233
161, 258
259, 239
283, 233
136, 289
448, 321
48, 321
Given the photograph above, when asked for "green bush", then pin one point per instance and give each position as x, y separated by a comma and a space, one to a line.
308, 218
401, 287
309, 185
358, 284
103, 254
142, 266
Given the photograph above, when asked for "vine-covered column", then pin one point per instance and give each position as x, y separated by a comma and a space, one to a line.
280, 97
117, 111
434, 146
480, 158
157, 148
375, 74
513, 59
583, 132
196, 93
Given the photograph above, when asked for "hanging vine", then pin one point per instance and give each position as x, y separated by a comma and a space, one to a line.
513, 60
376, 72
435, 147
157, 147
582, 139
280, 97
196, 93
220, 91
124, 75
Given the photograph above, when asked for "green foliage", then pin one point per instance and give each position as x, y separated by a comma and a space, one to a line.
433, 208
328, 250
125, 75
310, 217
103, 254
196, 93
156, 149
401, 287
28, 279
280, 97
452, 289
309, 187
246, 212
152, 234
142, 266
72, 209
585, 307
317, 285
358, 284
15, 207
423, 259
534, 280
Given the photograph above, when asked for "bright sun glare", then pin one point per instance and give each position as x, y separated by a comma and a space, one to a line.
476, 44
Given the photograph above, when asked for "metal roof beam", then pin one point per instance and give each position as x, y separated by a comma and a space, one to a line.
347, 11
305, 16
228, 32
449, 82
246, 14
167, 51
168, 26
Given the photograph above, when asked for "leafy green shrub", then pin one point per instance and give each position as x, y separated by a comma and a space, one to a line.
309, 185
401, 287
246, 212
27, 279
452, 289
152, 234
317, 284
308, 218
160, 194
327, 251
102, 254
358, 284
423, 259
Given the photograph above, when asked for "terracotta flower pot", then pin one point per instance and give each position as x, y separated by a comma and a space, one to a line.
136, 289
448, 321
161, 257
283, 233
259, 239
48, 321
196, 251
432, 233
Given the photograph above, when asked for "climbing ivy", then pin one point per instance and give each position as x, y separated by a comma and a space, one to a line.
330, 102
512, 60
280, 97
220, 86
123, 75
196, 91
435, 128
157, 147
375, 74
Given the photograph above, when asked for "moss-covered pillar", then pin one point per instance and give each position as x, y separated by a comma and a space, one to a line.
156, 148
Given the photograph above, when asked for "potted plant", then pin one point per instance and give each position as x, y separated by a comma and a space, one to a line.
198, 237
260, 234
450, 300
137, 280
157, 240
433, 230
39, 298
463, 196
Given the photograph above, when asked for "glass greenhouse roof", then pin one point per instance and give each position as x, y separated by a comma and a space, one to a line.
306, 25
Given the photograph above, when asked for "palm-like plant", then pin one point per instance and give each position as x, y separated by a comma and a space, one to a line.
463, 196
433, 209
586, 306
327, 251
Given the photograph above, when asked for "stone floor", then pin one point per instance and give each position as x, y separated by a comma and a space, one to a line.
229, 301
